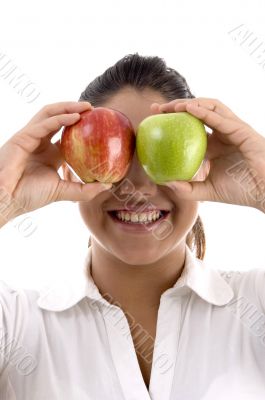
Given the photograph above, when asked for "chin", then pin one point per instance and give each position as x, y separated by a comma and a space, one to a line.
140, 254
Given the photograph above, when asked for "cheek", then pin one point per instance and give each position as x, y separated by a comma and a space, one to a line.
95, 220
185, 216
91, 216
182, 220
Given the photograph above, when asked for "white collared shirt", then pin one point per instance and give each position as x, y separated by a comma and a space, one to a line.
69, 343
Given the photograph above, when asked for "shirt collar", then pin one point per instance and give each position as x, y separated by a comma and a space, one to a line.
196, 276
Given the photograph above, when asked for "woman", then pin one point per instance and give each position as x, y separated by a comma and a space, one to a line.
146, 319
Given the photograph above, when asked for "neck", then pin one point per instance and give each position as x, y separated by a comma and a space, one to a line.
135, 287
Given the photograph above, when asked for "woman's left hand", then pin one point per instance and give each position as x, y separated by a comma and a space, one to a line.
235, 156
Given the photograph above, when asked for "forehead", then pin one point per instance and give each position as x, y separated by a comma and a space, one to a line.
135, 104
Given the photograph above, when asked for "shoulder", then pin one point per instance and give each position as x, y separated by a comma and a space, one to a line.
16, 314
16, 297
247, 285
16, 305
242, 278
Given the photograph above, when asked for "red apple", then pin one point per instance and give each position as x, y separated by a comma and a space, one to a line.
100, 146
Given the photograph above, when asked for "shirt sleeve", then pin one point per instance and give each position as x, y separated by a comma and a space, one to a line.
260, 288
13, 307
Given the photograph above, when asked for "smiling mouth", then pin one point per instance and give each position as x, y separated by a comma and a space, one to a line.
132, 218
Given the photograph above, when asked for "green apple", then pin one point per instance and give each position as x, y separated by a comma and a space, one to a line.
171, 146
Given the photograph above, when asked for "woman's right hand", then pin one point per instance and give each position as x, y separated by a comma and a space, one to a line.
29, 163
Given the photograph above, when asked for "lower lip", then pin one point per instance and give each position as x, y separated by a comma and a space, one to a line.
140, 227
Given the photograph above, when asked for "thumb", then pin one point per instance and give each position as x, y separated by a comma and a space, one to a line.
74, 191
196, 191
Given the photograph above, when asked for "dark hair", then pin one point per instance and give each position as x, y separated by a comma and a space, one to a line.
142, 72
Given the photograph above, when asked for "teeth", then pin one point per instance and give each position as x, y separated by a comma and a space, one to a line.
138, 218
155, 216
142, 217
134, 218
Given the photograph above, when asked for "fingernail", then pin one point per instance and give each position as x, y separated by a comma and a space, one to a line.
192, 105
87, 103
105, 186
172, 186
180, 186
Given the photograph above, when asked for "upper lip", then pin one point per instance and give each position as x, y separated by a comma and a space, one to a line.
139, 208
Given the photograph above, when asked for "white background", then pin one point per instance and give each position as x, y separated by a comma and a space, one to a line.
63, 45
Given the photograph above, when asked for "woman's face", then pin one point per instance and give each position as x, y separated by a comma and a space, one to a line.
136, 189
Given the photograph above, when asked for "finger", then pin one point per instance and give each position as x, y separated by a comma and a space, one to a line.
170, 106
210, 117
194, 191
230, 131
74, 191
210, 104
29, 139
68, 107
155, 108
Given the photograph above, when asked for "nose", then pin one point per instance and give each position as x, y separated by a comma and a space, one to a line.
136, 180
